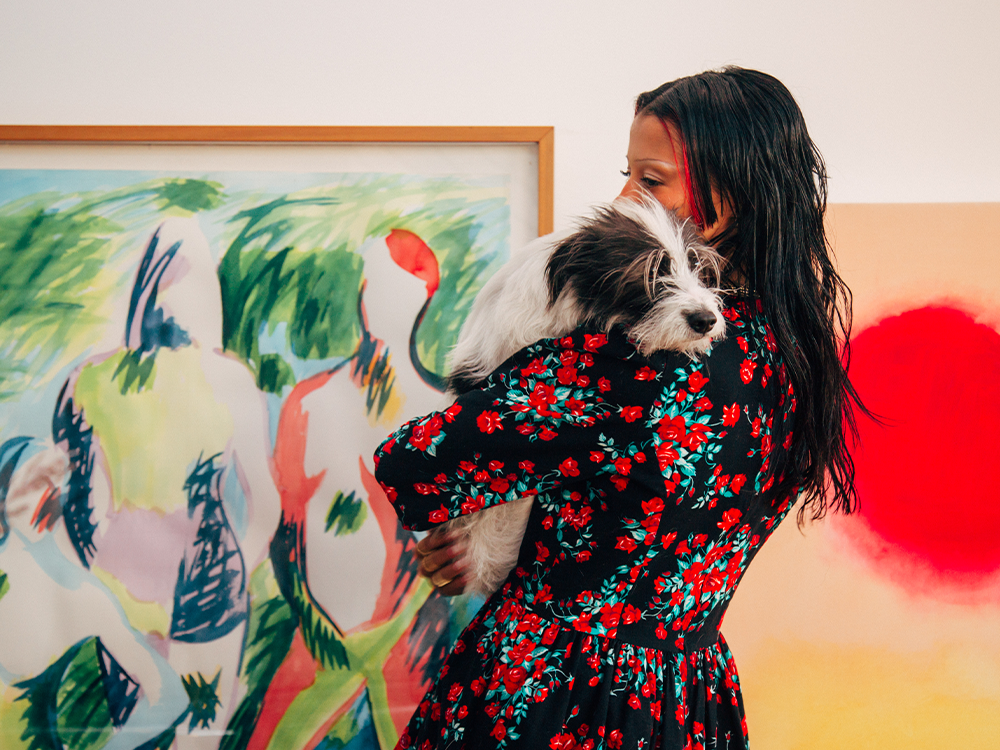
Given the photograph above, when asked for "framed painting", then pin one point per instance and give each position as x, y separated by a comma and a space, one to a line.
204, 334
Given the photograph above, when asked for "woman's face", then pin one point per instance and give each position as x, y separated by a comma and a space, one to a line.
656, 168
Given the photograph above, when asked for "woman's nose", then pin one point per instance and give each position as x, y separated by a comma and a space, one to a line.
631, 190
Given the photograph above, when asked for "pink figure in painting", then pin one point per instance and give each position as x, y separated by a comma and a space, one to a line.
167, 502
339, 554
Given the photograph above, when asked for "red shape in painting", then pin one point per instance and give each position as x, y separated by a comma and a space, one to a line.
412, 254
928, 478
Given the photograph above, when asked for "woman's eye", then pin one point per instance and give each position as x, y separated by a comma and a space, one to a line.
626, 173
650, 182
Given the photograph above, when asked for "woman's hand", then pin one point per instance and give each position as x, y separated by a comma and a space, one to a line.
440, 557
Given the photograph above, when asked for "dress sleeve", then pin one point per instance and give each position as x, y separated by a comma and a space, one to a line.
527, 430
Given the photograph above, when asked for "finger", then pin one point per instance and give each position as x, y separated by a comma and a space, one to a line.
445, 575
439, 558
435, 540
454, 588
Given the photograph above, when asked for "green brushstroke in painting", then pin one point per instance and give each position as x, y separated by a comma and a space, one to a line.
66, 706
59, 255
297, 260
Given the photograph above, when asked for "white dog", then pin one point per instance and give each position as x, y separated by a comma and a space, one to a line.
632, 263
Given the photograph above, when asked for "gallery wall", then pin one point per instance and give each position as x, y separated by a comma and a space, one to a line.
841, 641
902, 97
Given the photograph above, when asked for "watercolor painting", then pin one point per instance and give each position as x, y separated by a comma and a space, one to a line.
194, 372
879, 630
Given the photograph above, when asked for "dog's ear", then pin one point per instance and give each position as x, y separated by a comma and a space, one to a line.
607, 263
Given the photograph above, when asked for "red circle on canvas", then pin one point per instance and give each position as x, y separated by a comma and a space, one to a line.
929, 479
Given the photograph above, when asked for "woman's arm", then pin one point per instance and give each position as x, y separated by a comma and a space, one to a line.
522, 433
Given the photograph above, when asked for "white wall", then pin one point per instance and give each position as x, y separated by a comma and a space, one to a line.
903, 96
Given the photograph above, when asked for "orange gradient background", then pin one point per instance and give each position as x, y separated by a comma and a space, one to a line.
846, 638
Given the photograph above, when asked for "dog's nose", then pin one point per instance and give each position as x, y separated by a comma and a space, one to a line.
701, 321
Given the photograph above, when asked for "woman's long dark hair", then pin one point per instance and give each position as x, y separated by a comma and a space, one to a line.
744, 136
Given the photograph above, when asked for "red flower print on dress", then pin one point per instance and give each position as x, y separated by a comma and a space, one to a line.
427, 489
666, 455
615, 739
631, 413
521, 651
500, 485
730, 518
630, 614
653, 505
626, 543
672, 428
438, 516
542, 396
737, 484
623, 466
696, 381
646, 373
592, 343
499, 730
423, 435
473, 504
543, 552
697, 435
566, 375
746, 370
730, 415
535, 367
603, 385
488, 422
452, 412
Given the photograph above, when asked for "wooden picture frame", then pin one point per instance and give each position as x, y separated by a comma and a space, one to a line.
191, 297
542, 136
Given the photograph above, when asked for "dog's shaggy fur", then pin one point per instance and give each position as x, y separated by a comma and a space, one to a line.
633, 264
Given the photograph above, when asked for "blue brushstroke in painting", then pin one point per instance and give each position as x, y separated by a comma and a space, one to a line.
154, 330
210, 598
70, 427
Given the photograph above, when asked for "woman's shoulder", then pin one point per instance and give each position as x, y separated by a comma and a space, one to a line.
614, 350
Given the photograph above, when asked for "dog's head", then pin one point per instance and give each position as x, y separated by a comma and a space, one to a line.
636, 264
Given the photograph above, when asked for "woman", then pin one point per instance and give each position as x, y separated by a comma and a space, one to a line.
656, 480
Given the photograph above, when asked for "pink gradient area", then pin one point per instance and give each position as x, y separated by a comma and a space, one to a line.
143, 550
928, 477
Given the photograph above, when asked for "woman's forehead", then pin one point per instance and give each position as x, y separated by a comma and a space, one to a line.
650, 139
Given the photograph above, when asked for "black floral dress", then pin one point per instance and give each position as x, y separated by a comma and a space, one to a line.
648, 475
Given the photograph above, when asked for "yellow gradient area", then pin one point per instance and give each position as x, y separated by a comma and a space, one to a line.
823, 696
12, 721
146, 617
152, 439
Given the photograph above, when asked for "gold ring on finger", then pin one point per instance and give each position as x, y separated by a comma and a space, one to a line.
440, 583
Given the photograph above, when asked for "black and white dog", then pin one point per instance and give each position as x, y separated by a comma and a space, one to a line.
632, 263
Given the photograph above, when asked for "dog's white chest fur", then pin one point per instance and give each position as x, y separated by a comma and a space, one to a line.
633, 264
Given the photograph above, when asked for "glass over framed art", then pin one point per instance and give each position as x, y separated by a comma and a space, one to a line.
204, 334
